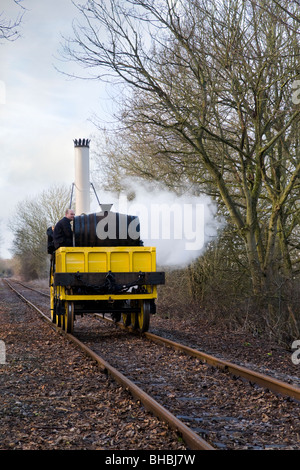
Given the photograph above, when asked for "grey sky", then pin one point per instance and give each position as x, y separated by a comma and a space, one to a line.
41, 110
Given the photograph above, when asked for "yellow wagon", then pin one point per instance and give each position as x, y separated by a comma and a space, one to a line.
117, 280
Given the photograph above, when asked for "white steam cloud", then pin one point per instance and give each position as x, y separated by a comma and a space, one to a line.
180, 227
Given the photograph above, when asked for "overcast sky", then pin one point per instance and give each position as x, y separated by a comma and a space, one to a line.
41, 110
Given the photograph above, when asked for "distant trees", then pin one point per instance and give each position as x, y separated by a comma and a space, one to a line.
29, 225
208, 103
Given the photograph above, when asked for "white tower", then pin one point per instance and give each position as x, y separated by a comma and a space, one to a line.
82, 176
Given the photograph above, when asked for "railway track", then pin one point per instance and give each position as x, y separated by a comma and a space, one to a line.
192, 440
224, 430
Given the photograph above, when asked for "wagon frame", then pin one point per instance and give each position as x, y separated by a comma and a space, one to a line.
120, 281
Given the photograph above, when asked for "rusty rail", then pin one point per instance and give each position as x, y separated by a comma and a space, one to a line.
193, 441
263, 380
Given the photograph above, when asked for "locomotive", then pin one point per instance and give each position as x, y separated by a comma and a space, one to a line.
107, 270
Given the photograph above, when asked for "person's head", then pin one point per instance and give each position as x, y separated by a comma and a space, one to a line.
70, 214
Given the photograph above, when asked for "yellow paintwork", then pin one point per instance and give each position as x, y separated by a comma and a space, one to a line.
104, 259
151, 295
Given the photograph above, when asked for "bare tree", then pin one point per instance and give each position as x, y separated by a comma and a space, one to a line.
208, 97
9, 29
29, 226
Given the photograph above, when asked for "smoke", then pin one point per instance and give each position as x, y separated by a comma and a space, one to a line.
180, 227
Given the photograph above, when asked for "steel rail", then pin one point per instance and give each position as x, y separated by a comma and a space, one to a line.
31, 288
193, 441
263, 380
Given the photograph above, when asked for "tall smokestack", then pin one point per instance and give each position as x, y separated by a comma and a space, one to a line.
82, 176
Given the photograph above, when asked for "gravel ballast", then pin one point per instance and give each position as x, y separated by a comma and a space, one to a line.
54, 397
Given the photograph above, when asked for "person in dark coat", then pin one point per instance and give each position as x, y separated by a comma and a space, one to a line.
50, 244
63, 235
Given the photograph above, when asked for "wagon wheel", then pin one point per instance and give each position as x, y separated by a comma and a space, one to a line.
134, 316
54, 316
144, 315
52, 297
52, 305
56, 308
126, 316
126, 319
68, 317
